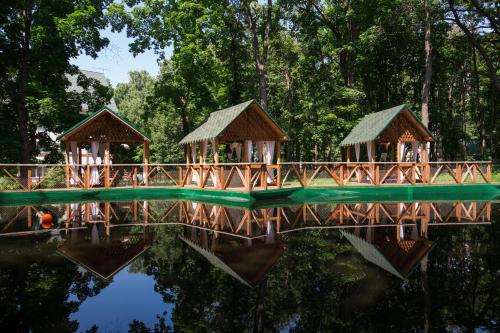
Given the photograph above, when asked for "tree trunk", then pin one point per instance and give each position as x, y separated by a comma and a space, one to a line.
428, 65
22, 82
260, 59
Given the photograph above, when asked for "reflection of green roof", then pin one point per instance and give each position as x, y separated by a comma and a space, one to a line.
392, 261
246, 264
104, 109
373, 124
106, 258
218, 121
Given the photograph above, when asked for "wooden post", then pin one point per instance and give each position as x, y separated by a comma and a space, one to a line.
278, 163
398, 154
458, 172
200, 181
304, 176
134, 177
106, 165
216, 151
146, 163
222, 180
66, 148
87, 176
87, 212
188, 153
372, 162
425, 160
28, 180
181, 175
348, 154
248, 185
488, 172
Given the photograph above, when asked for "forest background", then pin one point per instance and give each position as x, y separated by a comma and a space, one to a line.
317, 66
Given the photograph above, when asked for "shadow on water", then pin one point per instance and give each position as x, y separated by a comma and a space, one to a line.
367, 267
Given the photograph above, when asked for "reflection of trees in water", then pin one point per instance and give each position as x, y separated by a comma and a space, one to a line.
321, 284
35, 287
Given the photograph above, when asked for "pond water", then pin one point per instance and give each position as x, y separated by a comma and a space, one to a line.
160, 266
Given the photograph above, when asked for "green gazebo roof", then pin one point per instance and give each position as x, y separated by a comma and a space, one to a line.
373, 124
218, 121
95, 115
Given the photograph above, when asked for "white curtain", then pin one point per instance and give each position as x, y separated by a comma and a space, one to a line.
401, 232
194, 174
401, 151
401, 158
102, 151
203, 151
229, 153
370, 150
371, 155
357, 151
94, 236
414, 150
269, 233
269, 159
74, 161
193, 153
249, 148
94, 171
238, 152
260, 151
215, 149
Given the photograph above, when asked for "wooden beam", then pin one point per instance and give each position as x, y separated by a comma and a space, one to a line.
66, 157
216, 151
146, 163
106, 164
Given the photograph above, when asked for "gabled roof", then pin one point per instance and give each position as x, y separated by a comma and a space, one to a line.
218, 121
373, 124
246, 264
106, 258
394, 262
95, 115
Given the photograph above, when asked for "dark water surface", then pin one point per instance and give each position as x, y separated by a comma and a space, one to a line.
184, 266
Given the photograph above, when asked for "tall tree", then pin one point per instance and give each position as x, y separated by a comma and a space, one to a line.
38, 38
260, 47
428, 65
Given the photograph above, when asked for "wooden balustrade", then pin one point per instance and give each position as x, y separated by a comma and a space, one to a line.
243, 176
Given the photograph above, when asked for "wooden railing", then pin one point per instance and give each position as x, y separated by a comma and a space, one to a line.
239, 176
251, 222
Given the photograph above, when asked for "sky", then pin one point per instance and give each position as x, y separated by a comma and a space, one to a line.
116, 61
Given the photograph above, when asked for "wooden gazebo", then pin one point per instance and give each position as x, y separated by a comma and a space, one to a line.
391, 129
239, 127
99, 131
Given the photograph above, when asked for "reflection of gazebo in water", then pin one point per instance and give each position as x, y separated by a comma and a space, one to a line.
101, 255
99, 131
247, 260
390, 249
392, 130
